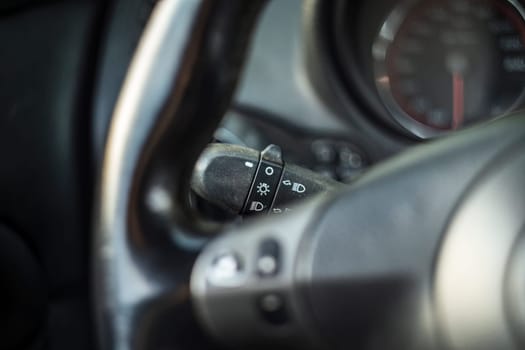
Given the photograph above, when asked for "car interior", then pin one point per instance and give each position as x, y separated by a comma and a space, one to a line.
262, 174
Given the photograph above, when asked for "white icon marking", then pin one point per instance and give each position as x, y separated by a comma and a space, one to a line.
225, 271
277, 211
249, 164
287, 182
263, 189
299, 188
226, 267
269, 171
256, 206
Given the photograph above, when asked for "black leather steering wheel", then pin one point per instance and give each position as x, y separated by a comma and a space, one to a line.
425, 251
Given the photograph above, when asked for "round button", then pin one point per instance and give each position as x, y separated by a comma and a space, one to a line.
350, 158
324, 152
267, 265
271, 303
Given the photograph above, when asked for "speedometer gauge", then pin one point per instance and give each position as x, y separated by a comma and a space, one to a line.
441, 65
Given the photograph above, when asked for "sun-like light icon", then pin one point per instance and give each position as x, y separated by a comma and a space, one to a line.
263, 189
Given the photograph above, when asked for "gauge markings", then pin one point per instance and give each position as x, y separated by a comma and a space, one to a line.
450, 64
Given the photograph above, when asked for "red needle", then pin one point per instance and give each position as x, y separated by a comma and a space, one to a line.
458, 92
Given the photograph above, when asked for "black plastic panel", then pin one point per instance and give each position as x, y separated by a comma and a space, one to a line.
46, 61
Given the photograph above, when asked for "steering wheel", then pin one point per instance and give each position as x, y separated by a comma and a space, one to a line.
425, 251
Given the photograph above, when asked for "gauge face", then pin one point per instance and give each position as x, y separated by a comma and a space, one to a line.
441, 65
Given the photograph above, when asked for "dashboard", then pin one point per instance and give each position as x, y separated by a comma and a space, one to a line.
341, 85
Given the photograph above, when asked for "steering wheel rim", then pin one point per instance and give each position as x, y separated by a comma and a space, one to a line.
186, 48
